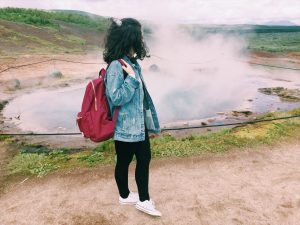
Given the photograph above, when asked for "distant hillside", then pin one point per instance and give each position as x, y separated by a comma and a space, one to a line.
91, 15
53, 18
280, 23
31, 31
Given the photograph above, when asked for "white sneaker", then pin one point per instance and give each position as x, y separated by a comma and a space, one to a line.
132, 199
148, 207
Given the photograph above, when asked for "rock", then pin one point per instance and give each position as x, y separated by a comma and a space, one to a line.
153, 135
203, 123
241, 112
13, 84
64, 85
167, 134
250, 100
56, 74
284, 94
2, 104
211, 120
270, 91
154, 68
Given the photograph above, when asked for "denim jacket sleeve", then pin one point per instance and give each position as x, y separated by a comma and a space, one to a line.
119, 90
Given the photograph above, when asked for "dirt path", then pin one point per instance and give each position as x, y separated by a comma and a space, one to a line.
249, 187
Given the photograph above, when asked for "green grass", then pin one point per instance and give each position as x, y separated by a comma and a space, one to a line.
275, 42
31, 163
39, 160
28, 16
45, 18
71, 38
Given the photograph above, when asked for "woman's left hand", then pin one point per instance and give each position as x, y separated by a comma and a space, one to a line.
128, 68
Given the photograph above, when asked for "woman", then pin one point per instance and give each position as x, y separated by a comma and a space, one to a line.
137, 115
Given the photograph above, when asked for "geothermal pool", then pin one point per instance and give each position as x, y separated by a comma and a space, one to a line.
56, 110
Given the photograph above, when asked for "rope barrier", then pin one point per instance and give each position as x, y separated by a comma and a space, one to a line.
229, 124
280, 67
253, 63
19, 66
49, 60
165, 129
95, 63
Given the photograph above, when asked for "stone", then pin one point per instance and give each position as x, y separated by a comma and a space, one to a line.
2, 104
211, 120
154, 68
241, 112
284, 94
13, 84
56, 74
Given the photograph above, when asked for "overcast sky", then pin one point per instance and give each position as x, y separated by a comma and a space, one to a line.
201, 11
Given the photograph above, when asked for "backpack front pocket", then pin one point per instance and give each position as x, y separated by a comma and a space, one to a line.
85, 124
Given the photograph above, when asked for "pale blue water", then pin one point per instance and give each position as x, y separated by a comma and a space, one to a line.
56, 110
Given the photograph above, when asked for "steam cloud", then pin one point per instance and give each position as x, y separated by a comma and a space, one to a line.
195, 78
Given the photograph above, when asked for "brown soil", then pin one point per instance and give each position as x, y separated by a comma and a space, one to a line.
240, 187
284, 60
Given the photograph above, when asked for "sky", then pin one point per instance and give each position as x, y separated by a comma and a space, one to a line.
189, 11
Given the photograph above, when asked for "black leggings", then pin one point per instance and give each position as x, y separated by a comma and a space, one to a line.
125, 152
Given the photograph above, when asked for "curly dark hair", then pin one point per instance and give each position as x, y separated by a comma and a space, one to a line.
122, 37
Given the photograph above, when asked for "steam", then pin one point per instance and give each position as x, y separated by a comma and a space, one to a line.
198, 78
195, 78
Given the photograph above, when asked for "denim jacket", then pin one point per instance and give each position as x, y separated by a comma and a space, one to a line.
128, 93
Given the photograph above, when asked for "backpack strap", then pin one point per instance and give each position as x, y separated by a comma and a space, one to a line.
116, 111
102, 71
123, 64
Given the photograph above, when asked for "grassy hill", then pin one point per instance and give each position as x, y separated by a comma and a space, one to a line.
32, 31
53, 18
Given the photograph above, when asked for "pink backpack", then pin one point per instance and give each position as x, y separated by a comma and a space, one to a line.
94, 120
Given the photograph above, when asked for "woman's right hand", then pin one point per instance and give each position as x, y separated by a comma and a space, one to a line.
128, 69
